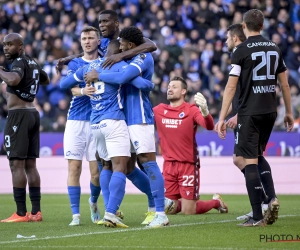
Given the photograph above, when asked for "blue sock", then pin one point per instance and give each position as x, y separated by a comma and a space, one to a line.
117, 192
142, 182
95, 192
74, 196
156, 184
105, 177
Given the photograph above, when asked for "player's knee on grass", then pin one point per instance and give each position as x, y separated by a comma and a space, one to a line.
188, 206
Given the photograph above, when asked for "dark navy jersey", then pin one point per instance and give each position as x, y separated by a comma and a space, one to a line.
257, 62
30, 73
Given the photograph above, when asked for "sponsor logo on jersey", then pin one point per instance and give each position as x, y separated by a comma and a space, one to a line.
15, 128
171, 123
70, 153
264, 89
181, 115
250, 45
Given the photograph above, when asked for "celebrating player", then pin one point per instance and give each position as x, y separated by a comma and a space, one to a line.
78, 135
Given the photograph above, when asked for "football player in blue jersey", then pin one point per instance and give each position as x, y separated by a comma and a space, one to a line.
139, 117
78, 137
109, 29
110, 129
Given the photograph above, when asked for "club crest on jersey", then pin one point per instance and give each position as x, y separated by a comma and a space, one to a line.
143, 56
181, 115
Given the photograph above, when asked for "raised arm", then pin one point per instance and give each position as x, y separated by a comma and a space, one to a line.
72, 80
142, 84
147, 46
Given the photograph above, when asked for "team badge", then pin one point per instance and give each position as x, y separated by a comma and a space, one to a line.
181, 115
143, 56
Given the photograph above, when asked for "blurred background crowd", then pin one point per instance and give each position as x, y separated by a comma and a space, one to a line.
190, 36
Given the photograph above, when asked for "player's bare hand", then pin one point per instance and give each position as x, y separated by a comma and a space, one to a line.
89, 91
289, 122
111, 60
91, 76
201, 103
216, 127
222, 129
232, 122
59, 65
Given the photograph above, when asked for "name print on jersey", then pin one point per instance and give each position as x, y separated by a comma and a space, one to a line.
171, 123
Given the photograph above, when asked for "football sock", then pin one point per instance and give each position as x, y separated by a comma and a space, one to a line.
263, 194
142, 182
156, 184
74, 196
254, 189
20, 199
105, 178
35, 198
266, 178
95, 192
205, 206
116, 192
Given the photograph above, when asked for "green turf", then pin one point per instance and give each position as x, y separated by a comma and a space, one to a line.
208, 231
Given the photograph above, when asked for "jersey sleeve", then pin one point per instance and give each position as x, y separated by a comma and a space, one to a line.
141, 62
142, 84
205, 122
71, 80
18, 66
72, 67
236, 62
125, 76
281, 64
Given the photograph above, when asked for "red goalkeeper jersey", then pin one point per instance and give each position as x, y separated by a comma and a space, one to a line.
177, 128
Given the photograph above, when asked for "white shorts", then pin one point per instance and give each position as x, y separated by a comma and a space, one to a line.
78, 139
142, 138
112, 138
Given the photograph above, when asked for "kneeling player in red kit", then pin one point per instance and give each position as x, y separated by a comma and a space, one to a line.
177, 125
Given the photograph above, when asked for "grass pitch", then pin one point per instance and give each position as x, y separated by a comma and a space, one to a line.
207, 231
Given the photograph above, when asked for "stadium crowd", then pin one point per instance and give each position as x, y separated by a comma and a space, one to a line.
190, 36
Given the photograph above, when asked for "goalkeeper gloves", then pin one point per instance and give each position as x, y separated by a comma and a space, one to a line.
201, 103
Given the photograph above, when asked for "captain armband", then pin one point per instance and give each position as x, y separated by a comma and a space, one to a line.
235, 70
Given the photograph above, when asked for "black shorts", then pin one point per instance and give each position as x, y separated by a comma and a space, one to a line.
22, 134
253, 133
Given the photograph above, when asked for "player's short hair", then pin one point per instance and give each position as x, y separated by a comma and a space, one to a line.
254, 20
88, 29
112, 13
114, 45
237, 30
132, 34
179, 78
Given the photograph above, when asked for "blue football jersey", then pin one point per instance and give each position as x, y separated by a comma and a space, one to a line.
108, 100
102, 48
80, 106
138, 108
